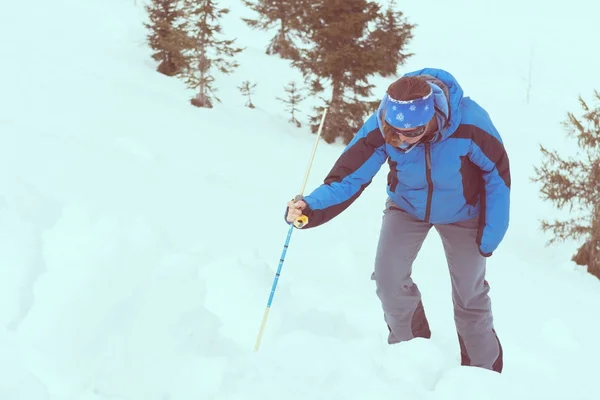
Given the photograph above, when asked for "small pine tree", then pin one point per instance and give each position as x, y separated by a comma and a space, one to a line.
209, 55
392, 33
294, 98
167, 36
246, 90
286, 14
576, 183
350, 41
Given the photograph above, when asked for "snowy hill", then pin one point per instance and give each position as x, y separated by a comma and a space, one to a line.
139, 235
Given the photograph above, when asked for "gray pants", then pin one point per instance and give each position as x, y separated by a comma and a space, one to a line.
400, 241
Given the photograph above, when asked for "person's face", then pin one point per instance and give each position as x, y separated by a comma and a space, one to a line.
413, 135
408, 139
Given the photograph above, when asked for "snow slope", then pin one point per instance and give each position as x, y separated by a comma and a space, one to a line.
139, 236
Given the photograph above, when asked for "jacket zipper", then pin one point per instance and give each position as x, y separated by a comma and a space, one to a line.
429, 181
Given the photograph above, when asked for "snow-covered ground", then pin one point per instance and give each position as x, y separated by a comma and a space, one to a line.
139, 235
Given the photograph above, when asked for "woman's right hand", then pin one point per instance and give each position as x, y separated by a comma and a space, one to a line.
295, 209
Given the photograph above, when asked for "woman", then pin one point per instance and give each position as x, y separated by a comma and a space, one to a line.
448, 169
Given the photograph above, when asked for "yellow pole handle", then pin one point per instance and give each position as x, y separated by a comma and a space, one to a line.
301, 221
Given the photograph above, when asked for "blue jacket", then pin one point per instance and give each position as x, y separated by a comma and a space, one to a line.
461, 173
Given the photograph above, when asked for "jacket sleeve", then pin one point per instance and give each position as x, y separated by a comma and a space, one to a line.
351, 174
488, 153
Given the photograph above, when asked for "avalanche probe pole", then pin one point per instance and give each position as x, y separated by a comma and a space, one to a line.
299, 223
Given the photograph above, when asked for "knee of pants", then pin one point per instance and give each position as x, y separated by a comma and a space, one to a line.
469, 297
394, 290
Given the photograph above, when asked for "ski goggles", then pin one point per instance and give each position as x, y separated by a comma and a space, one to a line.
410, 133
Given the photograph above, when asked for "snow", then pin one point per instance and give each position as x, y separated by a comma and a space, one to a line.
139, 236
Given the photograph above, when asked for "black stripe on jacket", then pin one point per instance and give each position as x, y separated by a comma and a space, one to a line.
348, 163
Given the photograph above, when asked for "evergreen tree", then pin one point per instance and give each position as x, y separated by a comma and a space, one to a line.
575, 182
350, 40
294, 98
286, 14
209, 54
167, 35
390, 36
246, 90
